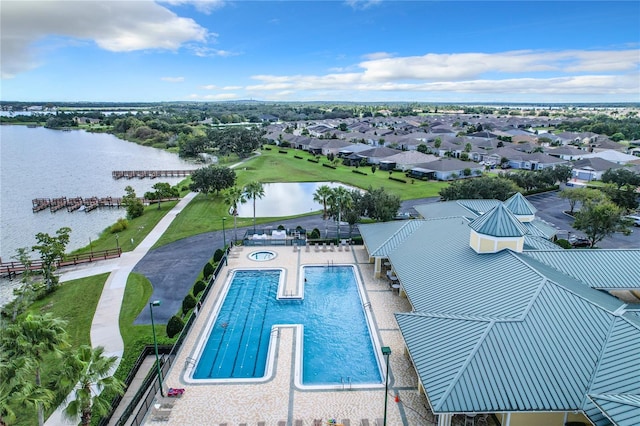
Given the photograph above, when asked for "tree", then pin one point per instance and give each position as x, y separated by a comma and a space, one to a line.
162, 190
422, 148
212, 179
25, 292
437, 143
252, 191
339, 200
321, 196
190, 145
599, 220
134, 206
581, 195
51, 250
34, 337
232, 197
480, 188
378, 204
625, 198
95, 385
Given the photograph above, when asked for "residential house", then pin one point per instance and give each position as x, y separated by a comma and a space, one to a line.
447, 169
592, 168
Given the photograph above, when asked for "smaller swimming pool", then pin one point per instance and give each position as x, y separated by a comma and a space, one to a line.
261, 256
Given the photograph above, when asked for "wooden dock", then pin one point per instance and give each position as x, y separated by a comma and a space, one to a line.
151, 174
11, 269
86, 204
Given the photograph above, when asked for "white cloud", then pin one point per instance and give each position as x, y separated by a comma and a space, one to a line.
117, 26
172, 79
216, 97
362, 4
516, 72
204, 6
204, 51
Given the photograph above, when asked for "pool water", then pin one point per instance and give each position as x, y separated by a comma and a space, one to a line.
337, 346
261, 256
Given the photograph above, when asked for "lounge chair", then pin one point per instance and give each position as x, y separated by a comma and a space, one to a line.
262, 423
317, 247
332, 247
160, 414
339, 247
298, 422
295, 248
364, 422
317, 422
346, 247
324, 247
379, 422
346, 422
282, 423
307, 247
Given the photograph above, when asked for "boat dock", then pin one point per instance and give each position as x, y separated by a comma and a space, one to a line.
11, 269
86, 204
151, 174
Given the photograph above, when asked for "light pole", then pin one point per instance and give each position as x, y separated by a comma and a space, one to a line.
155, 344
386, 351
224, 234
117, 244
224, 241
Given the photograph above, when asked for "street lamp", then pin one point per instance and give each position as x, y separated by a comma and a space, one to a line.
224, 240
117, 244
224, 234
155, 343
386, 351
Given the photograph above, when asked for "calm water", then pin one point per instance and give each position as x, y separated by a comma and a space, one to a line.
43, 163
337, 344
286, 199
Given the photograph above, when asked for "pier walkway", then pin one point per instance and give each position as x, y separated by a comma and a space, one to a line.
86, 204
151, 174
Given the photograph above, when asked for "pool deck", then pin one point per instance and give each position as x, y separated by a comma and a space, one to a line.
278, 401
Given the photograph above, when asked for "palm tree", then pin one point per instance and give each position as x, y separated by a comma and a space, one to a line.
339, 200
232, 197
34, 337
251, 191
95, 385
322, 195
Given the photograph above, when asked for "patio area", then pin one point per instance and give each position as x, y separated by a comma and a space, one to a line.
278, 401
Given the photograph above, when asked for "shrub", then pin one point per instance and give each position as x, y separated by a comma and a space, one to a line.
199, 286
281, 228
397, 180
174, 326
208, 270
313, 160
329, 166
565, 244
119, 226
283, 152
266, 148
188, 303
298, 157
218, 255
315, 234
359, 172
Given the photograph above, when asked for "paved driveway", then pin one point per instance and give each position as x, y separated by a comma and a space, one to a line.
550, 209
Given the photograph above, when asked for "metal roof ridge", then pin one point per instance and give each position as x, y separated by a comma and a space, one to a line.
477, 318
598, 365
464, 366
404, 225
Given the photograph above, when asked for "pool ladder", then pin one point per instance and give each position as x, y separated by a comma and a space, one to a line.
276, 331
190, 362
367, 305
329, 263
345, 382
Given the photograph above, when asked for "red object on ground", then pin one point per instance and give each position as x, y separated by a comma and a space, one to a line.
397, 398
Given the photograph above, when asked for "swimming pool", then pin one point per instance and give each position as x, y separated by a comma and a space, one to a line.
337, 347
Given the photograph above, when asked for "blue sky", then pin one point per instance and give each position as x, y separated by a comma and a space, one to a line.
417, 51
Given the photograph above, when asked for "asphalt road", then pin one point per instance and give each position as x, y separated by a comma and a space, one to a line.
550, 209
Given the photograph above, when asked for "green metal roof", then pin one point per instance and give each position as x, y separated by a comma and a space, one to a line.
479, 206
444, 209
520, 206
601, 269
439, 271
538, 243
499, 222
622, 410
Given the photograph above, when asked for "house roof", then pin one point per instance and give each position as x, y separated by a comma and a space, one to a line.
613, 156
596, 164
499, 222
379, 152
601, 269
620, 409
519, 205
449, 165
410, 157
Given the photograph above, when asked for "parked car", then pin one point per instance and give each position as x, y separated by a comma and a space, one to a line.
635, 220
579, 241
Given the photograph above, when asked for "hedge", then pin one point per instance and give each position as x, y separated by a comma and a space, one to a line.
397, 180
313, 160
329, 166
298, 157
359, 172
283, 152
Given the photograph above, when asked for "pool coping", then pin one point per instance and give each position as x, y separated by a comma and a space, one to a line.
196, 353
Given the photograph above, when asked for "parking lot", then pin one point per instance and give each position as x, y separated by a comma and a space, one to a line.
551, 209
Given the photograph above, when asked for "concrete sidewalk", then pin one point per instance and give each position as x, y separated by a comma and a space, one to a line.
105, 328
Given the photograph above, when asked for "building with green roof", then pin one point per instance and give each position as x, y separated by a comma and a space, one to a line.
503, 323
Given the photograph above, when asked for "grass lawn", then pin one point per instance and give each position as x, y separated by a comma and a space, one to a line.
205, 212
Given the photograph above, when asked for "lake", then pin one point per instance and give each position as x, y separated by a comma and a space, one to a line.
286, 199
44, 163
